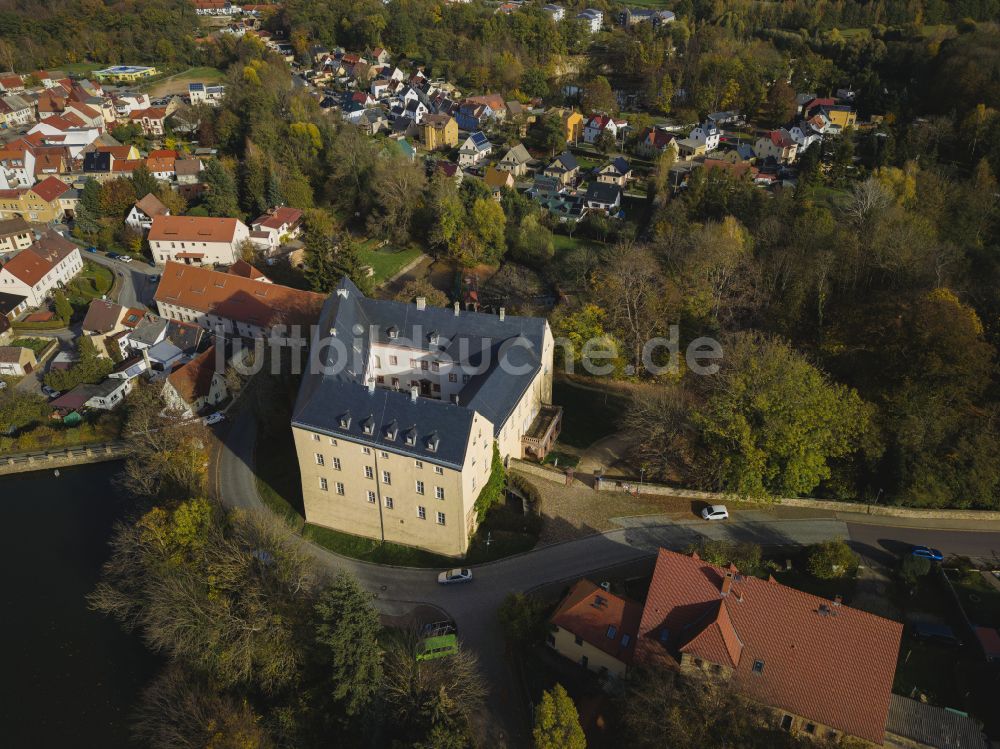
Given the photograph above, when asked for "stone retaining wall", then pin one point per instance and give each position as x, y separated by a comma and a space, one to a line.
617, 484
73, 456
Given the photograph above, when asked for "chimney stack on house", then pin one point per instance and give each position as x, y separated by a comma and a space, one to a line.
727, 584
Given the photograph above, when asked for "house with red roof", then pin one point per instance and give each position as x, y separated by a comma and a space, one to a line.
596, 629
777, 145
274, 228
39, 203
196, 240
601, 123
32, 273
151, 119
196, 385
826, 669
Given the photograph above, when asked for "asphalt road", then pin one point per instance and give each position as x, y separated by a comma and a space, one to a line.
136, 289
473, 606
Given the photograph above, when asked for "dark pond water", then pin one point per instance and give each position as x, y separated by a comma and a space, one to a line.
68, 676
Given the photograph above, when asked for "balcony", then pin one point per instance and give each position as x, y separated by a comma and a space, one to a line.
542, 434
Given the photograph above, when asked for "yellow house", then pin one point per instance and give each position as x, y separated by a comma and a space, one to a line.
498, 180
843, 117
572, 123
596, 629
39, 204
439, 131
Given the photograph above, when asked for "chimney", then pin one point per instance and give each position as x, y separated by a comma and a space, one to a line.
457, 308
727, 584
503, 313
414, 392
342, 293
838, 600
421, 302
145, 358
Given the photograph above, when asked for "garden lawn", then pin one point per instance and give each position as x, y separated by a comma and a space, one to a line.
37, 345
387, 261
371, 550
93, 282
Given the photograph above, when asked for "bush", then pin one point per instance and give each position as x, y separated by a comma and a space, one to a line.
522, 618
494, 491
746, 556
912, 568
831, 560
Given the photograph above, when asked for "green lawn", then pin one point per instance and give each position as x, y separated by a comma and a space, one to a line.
91, 283
587, 415
564, 243
81, 68
387, 261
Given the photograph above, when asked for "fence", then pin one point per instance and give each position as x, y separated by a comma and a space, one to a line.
71, 456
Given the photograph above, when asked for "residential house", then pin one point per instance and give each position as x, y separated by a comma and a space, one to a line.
707, 134
37, 204
603, 196
564, 169
231, 304
140, 217
596, 629
373, 121
187, 171
15, 234
634, 16
197, 385
572, 122
439, 131
804, 136
16, 361
602, 123
449, 169
497, 107
276, 227
18, 112
555, 12
104, 320
11, 306
161, 164
196, 240
551, 195
592, 19
788, 650
103, 396
474, 150
615, 172
200, 93
409, 434
654, 141
34, 272
515, 161
473, 117
498, 181
690, 148
243, 269
17, 168
729, 117
151, 120
777, 145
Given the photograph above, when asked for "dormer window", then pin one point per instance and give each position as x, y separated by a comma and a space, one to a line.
432, 443
411, 437
391, 431
345, 420
392, 332
433, 338
368, 425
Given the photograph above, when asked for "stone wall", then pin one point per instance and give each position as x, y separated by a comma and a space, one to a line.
48, 460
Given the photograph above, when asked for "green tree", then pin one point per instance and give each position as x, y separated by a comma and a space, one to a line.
347, 629
832, 559
487, 221
221, 198
912, 568
64, 310
557, 723
597, 96
522, 618
779, 108
771, 422
143, 182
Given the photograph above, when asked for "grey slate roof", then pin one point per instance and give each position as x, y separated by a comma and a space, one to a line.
933, 726
339, 402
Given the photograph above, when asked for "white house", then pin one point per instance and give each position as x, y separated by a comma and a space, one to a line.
474, 150
804, 136
592, 19
144, 211
108, 394
601, 123
199, 93
194, 386
197, 240
777, 144
706, 134
33, 273
276, 226
556, 12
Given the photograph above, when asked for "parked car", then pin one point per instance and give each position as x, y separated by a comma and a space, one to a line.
125, 258
114, 255
715, 512
50, 392
927, 553
3, 384
455, 576
91, 249
215, 418
154, 279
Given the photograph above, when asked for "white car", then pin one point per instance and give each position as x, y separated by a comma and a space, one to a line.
715, 512
213, 419
125, 259
455, 576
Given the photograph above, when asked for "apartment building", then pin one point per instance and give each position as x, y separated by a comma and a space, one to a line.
399, 411
33, 273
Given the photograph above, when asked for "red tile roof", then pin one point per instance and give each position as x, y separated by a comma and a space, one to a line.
151, 205
32, 264
237, 298
193, 229
194, 379
589, 612
820, 660
50, 189
279, 217
244, 269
